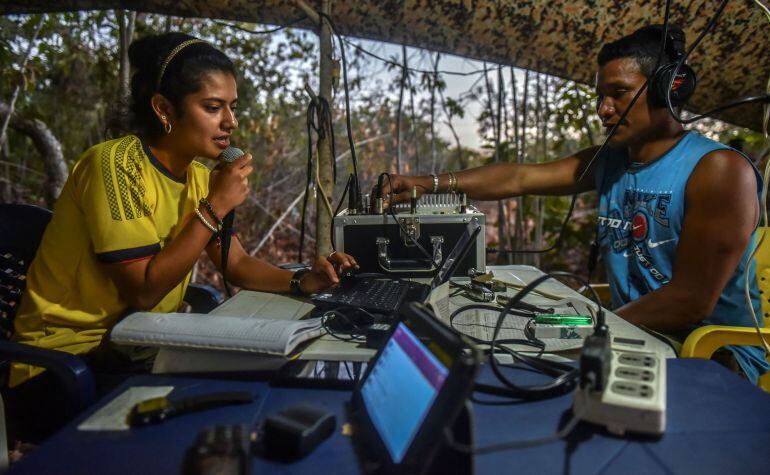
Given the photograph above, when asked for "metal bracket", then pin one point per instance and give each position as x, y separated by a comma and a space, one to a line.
438, 256
403, 265
412, 227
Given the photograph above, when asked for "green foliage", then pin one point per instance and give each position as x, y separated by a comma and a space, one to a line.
71, 83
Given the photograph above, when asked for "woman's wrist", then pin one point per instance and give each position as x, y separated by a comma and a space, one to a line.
208, 209
216, 207
295, 283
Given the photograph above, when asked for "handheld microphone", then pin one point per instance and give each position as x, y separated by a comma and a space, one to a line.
228, 155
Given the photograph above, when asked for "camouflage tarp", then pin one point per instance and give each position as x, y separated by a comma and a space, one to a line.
559, 37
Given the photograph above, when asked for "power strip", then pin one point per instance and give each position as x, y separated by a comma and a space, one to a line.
634, 399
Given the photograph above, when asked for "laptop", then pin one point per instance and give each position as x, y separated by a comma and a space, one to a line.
411, 393
385, 294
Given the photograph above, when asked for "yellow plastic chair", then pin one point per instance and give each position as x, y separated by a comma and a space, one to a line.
704, 341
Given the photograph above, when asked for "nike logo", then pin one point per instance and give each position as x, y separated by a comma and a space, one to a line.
637, 227
626, 254
653, 245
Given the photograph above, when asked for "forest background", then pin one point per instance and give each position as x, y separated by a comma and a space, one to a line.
64, 82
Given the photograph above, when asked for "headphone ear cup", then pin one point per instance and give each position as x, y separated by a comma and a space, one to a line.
682, 89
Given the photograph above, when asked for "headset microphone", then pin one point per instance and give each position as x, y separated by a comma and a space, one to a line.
228, 155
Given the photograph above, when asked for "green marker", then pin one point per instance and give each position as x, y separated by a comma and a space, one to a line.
562, 319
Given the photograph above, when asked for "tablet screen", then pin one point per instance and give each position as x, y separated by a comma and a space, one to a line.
399, 391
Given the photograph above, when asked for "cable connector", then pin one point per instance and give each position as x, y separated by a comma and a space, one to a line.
354, 198
595, 360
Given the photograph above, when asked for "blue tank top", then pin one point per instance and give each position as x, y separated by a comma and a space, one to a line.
641, 211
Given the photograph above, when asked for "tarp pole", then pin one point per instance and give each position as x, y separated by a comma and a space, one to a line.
325, 174
323, 244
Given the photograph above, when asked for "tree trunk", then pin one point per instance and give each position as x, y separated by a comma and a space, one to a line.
17, 89
515, 113
538, 199
323, 245
413, 122
50, 151
401, 85
433, 86
462, 163
126, 22
494, 116
521, 158
586, 123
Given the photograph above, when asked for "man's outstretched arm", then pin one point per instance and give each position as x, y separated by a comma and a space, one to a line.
505, 180
721, 212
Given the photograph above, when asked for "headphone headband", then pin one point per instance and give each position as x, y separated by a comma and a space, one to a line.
170, 56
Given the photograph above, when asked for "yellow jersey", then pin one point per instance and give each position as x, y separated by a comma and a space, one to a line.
119, 204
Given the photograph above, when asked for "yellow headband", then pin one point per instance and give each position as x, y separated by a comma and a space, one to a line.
170, 56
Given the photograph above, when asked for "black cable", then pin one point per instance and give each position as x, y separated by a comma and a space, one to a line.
421, 71
765, 98
258, 32
354, 337
337, 211
559, 239
539, 345
318, 118
359, 331
566, 379
513, 444
612, 131
392, 210
556, 244
356, 188
565, 376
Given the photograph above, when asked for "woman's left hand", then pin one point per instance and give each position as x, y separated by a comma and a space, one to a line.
326, 271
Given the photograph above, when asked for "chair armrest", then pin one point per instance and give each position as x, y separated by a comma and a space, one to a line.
77, 380
704, 341
202, 298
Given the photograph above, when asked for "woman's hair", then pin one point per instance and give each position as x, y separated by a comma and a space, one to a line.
182, 75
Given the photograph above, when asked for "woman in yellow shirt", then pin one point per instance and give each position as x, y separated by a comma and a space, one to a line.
136, 212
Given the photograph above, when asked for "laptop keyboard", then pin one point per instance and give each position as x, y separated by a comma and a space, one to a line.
378, 295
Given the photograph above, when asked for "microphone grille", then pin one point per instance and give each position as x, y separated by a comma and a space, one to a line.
230, 154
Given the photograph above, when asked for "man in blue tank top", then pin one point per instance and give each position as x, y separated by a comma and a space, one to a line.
677, 212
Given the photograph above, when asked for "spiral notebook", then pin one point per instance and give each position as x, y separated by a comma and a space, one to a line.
217, 332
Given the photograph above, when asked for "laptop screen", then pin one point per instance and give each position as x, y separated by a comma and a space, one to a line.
458, 254
399, 391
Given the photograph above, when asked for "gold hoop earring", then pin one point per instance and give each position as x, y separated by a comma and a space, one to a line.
167, 127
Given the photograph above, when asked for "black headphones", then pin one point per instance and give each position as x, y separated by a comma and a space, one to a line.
684, 84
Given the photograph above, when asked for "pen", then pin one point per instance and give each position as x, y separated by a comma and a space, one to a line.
156, 410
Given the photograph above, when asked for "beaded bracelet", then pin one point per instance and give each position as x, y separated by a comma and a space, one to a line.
210, 209
205, 221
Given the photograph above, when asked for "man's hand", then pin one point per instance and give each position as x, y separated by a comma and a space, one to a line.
402, 188
325, 272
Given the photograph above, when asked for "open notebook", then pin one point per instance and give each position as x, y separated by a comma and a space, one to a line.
220, 332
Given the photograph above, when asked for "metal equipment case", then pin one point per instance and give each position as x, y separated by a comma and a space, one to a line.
379, 244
